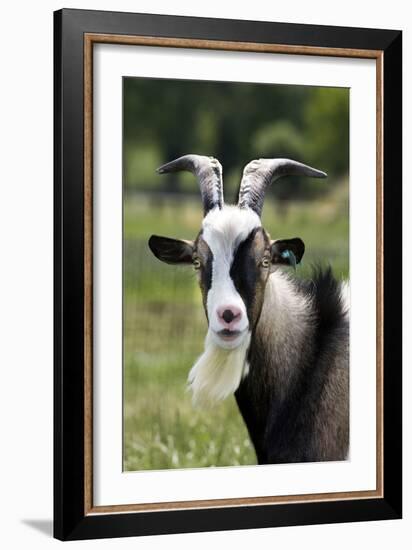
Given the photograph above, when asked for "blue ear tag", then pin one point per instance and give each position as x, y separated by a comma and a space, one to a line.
289, 255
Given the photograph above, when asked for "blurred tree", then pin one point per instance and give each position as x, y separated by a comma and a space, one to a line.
235, 122
326, 123
286, 141
282, 137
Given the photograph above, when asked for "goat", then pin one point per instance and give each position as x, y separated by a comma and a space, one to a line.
279, 344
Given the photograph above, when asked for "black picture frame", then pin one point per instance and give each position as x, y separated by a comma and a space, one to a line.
71, 521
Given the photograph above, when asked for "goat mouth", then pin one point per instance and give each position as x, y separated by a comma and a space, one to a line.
229, 335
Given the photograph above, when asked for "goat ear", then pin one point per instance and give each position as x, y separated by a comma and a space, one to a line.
171, 251
287, 251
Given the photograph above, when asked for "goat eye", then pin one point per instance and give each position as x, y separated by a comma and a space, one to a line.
196, 263
265, 262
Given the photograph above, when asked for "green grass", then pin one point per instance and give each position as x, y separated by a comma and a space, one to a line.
165, 327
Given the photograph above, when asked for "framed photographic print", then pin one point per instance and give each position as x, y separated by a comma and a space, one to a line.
227, 274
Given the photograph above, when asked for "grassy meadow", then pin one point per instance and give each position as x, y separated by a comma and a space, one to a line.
164, 326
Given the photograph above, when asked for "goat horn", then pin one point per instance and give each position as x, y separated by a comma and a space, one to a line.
209, 174
259, 174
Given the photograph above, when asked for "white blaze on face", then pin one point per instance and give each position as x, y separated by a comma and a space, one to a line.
224, 230
219, 370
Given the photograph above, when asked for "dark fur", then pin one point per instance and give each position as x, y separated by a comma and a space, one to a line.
247, 275
296, 404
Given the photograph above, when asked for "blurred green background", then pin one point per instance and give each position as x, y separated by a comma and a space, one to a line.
164, 323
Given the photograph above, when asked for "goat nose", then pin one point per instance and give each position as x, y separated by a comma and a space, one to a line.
229, 314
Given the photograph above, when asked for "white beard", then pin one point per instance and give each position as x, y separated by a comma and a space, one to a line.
218, 372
